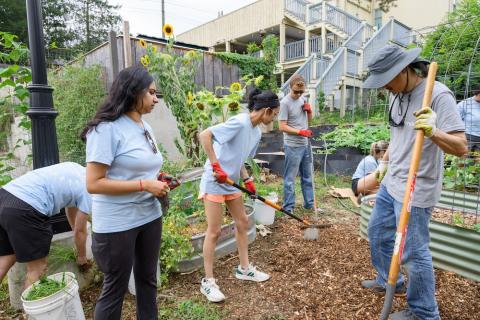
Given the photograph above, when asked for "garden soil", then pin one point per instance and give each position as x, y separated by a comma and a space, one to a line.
310, 279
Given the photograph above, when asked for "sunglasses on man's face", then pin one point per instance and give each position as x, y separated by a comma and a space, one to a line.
298, 91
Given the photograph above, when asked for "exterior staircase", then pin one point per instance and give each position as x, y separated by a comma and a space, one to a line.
342, 63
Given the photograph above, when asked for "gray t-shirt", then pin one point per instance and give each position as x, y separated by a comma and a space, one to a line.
292, 111
430, 172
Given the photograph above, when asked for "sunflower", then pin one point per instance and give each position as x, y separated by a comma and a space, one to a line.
200, 106
154, 49
168, 30
233, 106
145, 60
143, 43
189, 98
235, 87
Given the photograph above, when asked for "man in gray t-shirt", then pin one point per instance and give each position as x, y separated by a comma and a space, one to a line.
293, 121
402, 73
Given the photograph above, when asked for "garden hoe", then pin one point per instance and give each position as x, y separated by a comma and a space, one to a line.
311, 230
401, 233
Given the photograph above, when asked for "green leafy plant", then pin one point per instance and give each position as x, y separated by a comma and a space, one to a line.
14, 77
60, 255
476, 227
252, 47
192, 310
175, 74
4, 290
461, 173
78, 92
256, 67
45, 288
359, 135
457, 219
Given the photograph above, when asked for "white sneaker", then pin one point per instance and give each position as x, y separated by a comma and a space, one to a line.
210, 289
251, 273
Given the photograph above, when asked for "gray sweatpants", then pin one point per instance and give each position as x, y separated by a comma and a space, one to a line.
115, 253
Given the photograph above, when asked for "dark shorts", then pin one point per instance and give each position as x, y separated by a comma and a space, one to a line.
355, 186
24, 231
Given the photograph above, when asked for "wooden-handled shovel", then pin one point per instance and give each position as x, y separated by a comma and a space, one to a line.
401, 233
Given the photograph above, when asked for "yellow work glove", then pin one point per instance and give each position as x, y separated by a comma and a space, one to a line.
381, 170
426, 119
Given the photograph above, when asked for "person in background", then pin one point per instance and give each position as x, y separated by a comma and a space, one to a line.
293, 120
123, 164
365, 178
401, 73
228, 145
470, 113
26, 205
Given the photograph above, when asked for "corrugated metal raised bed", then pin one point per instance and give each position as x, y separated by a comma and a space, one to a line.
453, 248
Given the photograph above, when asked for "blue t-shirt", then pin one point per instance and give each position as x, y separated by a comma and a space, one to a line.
365, 167
52, 188
233, 142
470, 112
122, 145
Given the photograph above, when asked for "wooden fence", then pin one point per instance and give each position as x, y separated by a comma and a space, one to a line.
211, 72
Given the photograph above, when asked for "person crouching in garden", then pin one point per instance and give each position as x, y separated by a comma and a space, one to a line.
369, 170
26, 205
123, 163
403, 75
228, 145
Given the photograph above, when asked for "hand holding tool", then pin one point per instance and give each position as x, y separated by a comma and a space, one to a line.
305, 133
219, 174
426, 121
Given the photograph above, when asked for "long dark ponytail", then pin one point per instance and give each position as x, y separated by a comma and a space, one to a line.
126, 89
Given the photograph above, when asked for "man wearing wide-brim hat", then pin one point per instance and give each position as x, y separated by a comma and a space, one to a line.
403, 74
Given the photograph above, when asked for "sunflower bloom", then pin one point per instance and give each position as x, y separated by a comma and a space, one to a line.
168, 30
145, 60
143, 43
235, 87
189, 98
233, 106
200, 106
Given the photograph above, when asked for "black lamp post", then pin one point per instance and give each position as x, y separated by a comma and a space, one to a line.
41, 111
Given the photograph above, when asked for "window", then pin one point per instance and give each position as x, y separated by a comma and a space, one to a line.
378, 18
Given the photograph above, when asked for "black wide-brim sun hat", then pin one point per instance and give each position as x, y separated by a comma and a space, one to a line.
387, 64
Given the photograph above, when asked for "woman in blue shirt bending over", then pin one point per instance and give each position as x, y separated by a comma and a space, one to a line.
228, 145
366, 177
122, 167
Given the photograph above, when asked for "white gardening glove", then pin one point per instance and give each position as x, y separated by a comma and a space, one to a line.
381, 170
426, 121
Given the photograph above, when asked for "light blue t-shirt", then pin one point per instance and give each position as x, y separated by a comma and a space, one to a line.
470, 113
122, 145
52, 188
365, 167
234, 141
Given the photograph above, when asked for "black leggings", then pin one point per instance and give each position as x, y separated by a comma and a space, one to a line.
115, 254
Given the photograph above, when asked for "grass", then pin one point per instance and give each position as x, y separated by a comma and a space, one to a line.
191, 310
45, 288
4, 289
59, 255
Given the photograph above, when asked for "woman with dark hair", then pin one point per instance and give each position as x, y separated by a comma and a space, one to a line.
122, 167
228, 145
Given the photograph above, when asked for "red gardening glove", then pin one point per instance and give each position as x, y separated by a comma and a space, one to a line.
305, 133
169, 180
220, 175
250, 186
307, 108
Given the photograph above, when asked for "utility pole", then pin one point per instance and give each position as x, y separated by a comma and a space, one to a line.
163, 17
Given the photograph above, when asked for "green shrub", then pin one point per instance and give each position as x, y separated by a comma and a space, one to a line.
359, 135
78, 92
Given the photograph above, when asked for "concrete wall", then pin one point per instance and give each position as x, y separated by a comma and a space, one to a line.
165, 129
259, 15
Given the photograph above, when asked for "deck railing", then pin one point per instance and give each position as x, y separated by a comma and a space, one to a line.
298, 8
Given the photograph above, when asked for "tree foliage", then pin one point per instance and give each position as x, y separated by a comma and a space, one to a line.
454, 45
385, 5
75, 24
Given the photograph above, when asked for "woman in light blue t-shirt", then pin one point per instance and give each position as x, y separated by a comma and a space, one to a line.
365, 180
228, 145
123, 163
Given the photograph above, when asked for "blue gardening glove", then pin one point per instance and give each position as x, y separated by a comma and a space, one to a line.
426, 121
381, 170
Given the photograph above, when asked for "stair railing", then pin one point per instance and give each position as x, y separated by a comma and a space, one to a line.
341, 19
333, 74
377, 41
401, 34
305, 71
297, 8
355, 41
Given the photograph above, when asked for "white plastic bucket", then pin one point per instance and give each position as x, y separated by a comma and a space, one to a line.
265, 214
62, 305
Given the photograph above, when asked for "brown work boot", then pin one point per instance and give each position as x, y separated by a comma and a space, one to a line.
378, 289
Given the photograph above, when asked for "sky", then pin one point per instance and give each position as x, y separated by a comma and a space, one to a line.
145, 16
